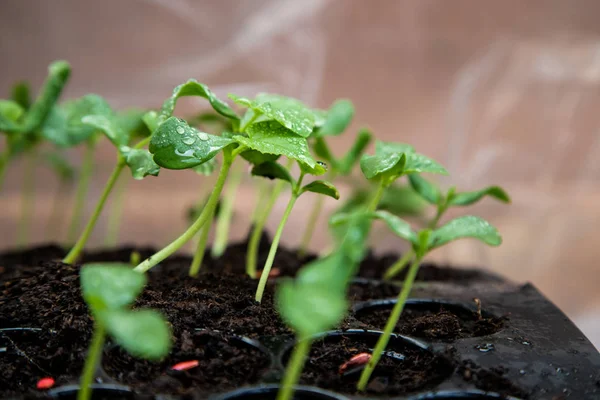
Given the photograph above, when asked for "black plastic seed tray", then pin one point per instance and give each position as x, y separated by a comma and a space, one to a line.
538, 353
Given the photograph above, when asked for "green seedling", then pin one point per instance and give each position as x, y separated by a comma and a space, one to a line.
138, 159
334, 123
274, 170
21, 120
433, 195
273, 125
422, 243
315, 301
109, 291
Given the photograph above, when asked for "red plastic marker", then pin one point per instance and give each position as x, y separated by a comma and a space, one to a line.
359, 359
185, 365
45, 383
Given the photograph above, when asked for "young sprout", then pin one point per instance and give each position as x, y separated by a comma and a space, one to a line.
422, 243
315, 300
433, 195
274, 170
139, 161
109, 290
21, 120
335, 122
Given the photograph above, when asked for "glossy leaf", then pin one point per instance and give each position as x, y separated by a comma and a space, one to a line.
397, 225
195, 88
375, 166
290, 113
361, 142
272, 170
61, 167
465, 227
322, 187
110, 285
140, 162
176, 145
310, 308
426, 189
468, 198
20, 94
109, 126
256, 157
271, 137
58, 74
142, 333
337, 119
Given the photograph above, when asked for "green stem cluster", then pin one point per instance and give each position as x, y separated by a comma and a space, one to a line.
82, 189
116, 213
226, 213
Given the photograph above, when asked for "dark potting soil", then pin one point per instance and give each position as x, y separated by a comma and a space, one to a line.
434, 322
38, 293
224, 363
490, 380
404, 370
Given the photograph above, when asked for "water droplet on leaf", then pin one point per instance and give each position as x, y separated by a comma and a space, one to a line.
180, 130
189, 140
203, 136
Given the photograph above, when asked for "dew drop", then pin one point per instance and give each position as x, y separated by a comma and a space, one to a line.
203, 136
180, 130
189, 140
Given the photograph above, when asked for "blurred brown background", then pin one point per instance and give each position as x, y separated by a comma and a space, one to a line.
499, 92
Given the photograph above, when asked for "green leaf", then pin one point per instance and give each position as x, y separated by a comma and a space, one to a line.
400, 200
338, 118
110, 285
194, 88
416, 162
58, 75
60, 165
322, 187
256, 157
468, 198
271, 137
11, 110
290, 113
352, 156
319, 169
465, 227
375, 166
132, 122
272, 170
397, 225
20, 94
64, 125
140, 162
142, 333
151, 120
308, 308
206, 168
322, 150
176, 145
426, 189
109, 126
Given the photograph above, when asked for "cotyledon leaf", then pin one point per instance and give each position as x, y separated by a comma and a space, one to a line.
176, 145
140, 162
110, 285
270, 137
468, 226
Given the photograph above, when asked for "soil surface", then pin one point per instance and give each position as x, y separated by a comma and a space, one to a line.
433, 321
404, 369
38, 291
490, 380
224, 363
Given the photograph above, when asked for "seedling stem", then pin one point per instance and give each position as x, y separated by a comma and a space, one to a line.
28, 197
200, 249
294, 369
83, 184
273, 250
225, 213
390, 325
91, 362
116, 212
